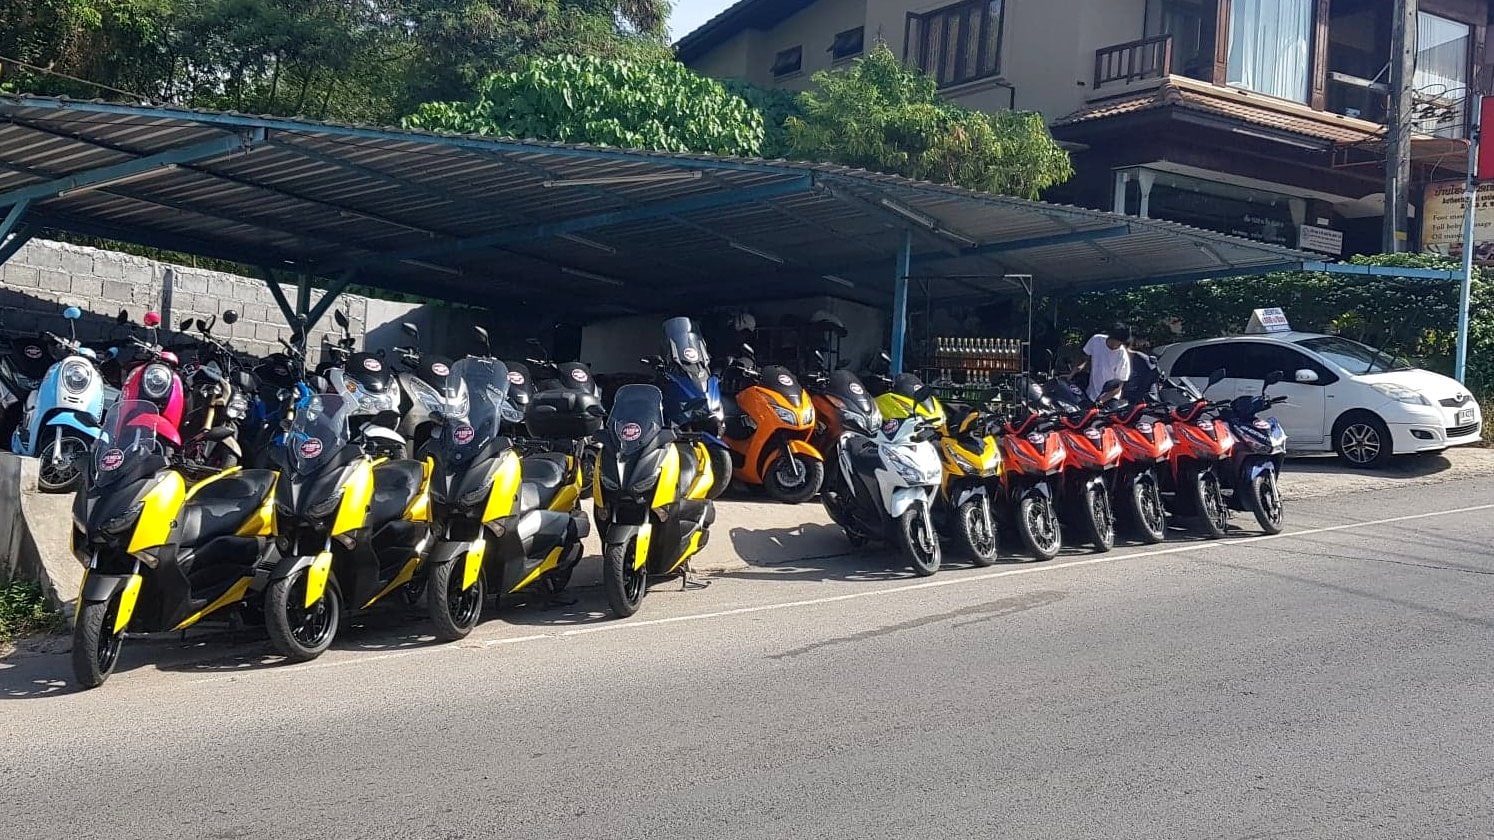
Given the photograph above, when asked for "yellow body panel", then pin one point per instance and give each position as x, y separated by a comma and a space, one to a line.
565, 499
420, 506
705, 479
640, 548
551, 561
316, 577
691, 548
472, 563
127, 600
503, 499
669, 478
262, 523
896, 407
404, 577
234, 595
210, 479
357, 492
162, 504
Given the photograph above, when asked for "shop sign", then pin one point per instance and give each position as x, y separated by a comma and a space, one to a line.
1442, 221
1321, 239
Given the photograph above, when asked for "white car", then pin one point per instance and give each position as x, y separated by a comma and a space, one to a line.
1342, 396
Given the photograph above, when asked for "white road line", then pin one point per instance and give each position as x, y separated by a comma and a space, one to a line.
964, 580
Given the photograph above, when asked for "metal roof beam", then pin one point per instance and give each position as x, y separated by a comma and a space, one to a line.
13, 218
1221, 273
329, 297
136, 169
153, 239
1067, 238
550, 230
895, 220
1383, 271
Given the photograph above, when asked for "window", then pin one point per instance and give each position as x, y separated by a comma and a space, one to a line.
1441, 79
1201, 361
1353, 356
1192, 42
1269, 45
788, 61
956, 44
1257, 359
847, 44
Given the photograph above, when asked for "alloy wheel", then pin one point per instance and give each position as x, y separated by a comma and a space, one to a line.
1360, 443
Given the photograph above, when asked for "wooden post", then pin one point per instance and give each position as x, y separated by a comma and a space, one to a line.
1398, 125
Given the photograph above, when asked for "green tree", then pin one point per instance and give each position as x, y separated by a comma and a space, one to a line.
655, 105
776, 105
879, 114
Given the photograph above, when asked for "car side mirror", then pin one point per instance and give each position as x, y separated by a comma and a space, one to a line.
1306, 376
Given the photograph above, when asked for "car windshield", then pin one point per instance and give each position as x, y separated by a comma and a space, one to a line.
1353, 356
318, 430
128, 436
636, 418
487, 394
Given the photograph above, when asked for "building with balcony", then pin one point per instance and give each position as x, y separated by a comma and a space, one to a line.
1262, 118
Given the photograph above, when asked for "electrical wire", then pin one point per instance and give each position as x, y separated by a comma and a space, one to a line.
59, 74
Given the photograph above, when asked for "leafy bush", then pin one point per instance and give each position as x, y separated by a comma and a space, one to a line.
24, 610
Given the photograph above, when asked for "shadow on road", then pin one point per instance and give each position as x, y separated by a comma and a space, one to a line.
1399, 468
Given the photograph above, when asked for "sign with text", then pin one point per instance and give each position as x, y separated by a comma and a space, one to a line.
1268, 320
1485, 166
1320, 239
1442, 221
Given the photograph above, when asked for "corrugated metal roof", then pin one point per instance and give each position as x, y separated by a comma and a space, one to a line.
594, 230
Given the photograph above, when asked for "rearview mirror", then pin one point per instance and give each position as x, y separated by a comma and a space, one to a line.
202, 325
230, 317
341, 318
1217, 376
923, 394
151, 319
747, 348
72, 313
410, 329
482, 335
122, 318
1274, 377
186, 324
596, 410
1111, 385
1306, 376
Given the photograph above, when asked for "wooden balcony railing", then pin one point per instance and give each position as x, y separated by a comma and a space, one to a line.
1133, 61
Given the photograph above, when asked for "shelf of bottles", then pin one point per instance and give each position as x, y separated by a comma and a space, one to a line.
965, 367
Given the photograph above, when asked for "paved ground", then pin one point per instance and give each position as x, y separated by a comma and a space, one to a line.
1330, 682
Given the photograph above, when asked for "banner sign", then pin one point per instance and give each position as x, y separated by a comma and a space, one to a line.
1442, 221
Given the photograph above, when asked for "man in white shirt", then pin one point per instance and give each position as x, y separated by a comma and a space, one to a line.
1107, 359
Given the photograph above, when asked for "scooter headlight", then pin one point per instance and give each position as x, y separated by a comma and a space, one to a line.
76, 376
325, 507
906, 468
124, 521
238, 407
786, 415
156, 381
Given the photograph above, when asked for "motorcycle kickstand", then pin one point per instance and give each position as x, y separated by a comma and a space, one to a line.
687, 584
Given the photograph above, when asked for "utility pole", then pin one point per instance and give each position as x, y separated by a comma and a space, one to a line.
1398, 125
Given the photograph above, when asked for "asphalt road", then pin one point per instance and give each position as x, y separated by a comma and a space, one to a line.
1331, 682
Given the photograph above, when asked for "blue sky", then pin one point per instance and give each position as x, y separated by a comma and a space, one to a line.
689, 14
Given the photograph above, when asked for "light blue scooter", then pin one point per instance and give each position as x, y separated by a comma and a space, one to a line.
62, 416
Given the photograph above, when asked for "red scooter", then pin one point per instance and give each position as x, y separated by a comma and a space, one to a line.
150, 374
1203, 448
1146, 444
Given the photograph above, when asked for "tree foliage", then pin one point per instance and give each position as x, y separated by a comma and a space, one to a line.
657, 105
879, 114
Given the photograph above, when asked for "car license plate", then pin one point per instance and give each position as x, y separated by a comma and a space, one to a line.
1465, 417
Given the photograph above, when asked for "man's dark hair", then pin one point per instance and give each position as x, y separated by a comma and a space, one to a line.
1120, 332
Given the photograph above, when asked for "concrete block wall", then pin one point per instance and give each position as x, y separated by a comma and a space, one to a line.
45, 277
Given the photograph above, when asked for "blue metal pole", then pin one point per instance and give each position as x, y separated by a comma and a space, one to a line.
1470, 197
900, 302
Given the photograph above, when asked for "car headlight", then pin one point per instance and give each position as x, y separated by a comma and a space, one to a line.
1401, 393
76, 376
786, 415
156, 381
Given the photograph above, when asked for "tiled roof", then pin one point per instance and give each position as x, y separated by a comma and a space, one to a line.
1246, 107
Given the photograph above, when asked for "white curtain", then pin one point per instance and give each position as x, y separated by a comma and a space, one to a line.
1442, 72
1269, 45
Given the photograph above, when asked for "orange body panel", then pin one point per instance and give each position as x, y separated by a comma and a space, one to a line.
1095, 449
1022, 454
758, 403
1146, 442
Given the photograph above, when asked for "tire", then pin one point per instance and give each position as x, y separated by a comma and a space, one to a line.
589, 456
1208, 502
917, 541
68, 475
299, 634
453, 612
1148, 513
625, 587
1037, 525
784, 486
721, 471
1363, 441
975, 530
1096, 519
95, 644
1263, 497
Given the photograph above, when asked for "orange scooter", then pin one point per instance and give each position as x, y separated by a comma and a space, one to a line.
769, 422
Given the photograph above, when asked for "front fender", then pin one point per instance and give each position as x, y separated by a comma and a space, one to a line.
469, 552
905, 497
968, 492
620, 534
1256, 468
1041, 488
84, 423
99, 588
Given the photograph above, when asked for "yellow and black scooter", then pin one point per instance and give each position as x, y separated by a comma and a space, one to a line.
971, 460
503, 520
351, 530
651, 491
160, 556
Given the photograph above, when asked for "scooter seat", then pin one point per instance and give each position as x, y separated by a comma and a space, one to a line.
689, 468
395, 485
544, 475
220, 508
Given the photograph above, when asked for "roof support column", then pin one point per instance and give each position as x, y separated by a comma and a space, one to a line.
286, 311
900, 302
333, 292
1465, 294
13, 234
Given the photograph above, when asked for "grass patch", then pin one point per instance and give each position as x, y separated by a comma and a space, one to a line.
24, 611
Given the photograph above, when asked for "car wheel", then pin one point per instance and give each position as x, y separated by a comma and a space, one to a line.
1362, 440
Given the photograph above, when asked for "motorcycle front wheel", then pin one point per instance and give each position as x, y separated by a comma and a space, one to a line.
95, 644
720, 471
794, 479
1263, 496
917, 541
453, 611
1096, 518
1148, 514
1037, 525
976, 531
1208, 501
298, 632
625, 585
62, 458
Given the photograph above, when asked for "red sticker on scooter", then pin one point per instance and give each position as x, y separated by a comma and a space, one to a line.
32, 351
690, 354
111, 460
515, 378
440, 369
578, 374
463, 434
372, 365
630, 432
889, 427
311, 447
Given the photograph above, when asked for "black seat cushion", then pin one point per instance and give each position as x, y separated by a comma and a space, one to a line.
544, 473
689, 468
395, 486
220, 508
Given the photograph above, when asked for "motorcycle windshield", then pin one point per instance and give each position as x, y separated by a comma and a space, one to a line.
487, 393
318, 431
688, 350
128, 444
636, 419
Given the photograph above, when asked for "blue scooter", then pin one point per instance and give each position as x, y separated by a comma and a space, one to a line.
63, 415
692, 395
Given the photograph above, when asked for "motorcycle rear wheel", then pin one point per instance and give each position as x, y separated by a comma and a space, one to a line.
976, 531
1148, 513
1208, 501
1263, 497
1037, 525
95, 644
917, 541
625, 585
